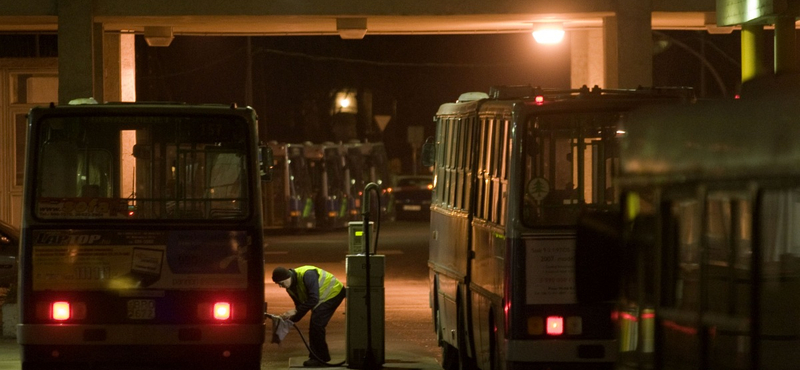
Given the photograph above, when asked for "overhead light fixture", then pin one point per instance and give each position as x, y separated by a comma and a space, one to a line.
548, 33
351, 28
158, 35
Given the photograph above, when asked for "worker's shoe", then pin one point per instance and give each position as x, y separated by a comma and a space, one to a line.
311, 362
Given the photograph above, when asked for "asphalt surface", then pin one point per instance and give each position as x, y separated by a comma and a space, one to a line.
396, 357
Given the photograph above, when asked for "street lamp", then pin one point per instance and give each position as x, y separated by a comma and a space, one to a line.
345, 102
548, 33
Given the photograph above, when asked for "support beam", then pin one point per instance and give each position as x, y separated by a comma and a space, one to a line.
610, 53
785, 50
75, 50
120, 67
98, 65
753, 49
587, 66
634, 43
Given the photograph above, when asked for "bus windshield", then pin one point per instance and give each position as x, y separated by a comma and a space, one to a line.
155, 167
568, 164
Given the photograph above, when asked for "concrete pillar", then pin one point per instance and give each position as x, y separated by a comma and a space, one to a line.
127, 47
587, 58
75, 50
753, 49
98, 65
785, 52
119, 67
610, 53
634, 43
112, 68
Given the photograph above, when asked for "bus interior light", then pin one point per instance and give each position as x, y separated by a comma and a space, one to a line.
222, 311
60, 311
555, 325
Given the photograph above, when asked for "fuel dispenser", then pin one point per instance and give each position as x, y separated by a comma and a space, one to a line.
365, 306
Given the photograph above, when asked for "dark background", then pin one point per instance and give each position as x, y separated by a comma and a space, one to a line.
408, 77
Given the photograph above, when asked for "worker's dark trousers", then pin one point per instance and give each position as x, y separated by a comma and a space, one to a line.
319, 320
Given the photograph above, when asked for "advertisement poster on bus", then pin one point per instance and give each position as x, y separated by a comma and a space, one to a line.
122, 260
550, 271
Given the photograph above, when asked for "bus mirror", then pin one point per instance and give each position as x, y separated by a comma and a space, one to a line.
598, 254
265, 162
428, 152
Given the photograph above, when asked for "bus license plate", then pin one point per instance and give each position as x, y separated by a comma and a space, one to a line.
412, 207
141, 309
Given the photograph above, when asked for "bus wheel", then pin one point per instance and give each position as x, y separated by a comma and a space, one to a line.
450, 357
493, 355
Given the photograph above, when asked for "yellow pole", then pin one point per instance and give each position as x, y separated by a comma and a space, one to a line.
752, 48
785, 54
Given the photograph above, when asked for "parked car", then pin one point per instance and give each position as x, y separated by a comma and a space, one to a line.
412, 197
9, 248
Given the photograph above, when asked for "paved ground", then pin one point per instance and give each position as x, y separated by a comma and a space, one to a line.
396, 358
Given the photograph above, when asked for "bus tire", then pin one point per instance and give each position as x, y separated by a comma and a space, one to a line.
494, 357
465, 362
450, 357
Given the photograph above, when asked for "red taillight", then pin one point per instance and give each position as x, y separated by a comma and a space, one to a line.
555, 325
60, 311
222, 310
539, 99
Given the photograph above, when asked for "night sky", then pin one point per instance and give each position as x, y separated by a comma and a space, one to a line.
408, 76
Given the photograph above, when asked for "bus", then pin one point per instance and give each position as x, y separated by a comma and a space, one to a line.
142, 239
330, 182
512, 171
368, 162
706, 244
289, 198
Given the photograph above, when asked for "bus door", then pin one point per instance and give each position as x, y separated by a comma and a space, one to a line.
359, 178
302, 214
336, 198
276, 196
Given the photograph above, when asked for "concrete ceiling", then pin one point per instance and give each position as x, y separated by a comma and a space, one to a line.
285, 25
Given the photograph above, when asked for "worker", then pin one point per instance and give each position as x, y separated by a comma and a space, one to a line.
316, 290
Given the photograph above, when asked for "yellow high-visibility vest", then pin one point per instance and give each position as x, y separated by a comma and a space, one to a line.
329, 285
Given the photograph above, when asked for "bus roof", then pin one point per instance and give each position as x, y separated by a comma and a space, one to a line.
753, 136
143, 108
503, 98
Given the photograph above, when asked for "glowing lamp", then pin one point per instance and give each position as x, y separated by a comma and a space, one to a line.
548, 33
555, 325
61, 311
222, 310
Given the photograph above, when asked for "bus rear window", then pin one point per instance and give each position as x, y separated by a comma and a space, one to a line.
141, 167
569, 161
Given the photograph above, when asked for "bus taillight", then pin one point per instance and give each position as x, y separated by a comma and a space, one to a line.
222, 310
60, 311
555, 325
